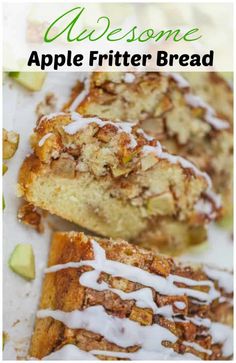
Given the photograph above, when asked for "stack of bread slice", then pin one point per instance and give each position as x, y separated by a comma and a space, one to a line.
144, 163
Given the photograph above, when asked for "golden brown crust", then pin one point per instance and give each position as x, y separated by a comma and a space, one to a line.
62, 290
29, 215
30, 166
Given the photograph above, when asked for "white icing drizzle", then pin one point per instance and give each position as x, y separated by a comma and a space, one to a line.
147, 137
210, 117
203, 206
197, 347
69, 352
223, 334
199, 321
216, 198
121, 331
129, 78
224, 278
180, 305
81, 96
72, 352
79, 122
226, 299
52, 116
160, 284
145, 355
181, 81
174, 159
44, 138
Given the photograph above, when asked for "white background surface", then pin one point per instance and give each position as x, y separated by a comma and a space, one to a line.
20, 298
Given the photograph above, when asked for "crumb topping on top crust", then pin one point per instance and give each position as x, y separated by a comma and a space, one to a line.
209, 115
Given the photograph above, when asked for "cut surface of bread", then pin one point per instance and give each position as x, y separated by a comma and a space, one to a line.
116, 181
165, 106
109, 300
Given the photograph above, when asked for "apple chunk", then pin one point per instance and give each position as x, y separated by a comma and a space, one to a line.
33, 81
22, 261
161, 204
10, 143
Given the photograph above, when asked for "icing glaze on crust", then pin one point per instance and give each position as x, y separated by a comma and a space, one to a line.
166, 319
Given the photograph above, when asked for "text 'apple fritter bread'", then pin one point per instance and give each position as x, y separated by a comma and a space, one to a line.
109, 300
116, 181
165, 106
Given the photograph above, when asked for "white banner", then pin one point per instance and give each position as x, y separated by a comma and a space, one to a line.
124, 36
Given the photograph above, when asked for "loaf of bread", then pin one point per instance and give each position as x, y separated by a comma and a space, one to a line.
109, 300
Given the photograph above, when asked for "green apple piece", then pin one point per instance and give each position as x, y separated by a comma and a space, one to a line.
33, 81
148, 161
3, 202
4, 339
22, 261
162, 204
116, 171
4, 168
227, 222
10, 142
127, 158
